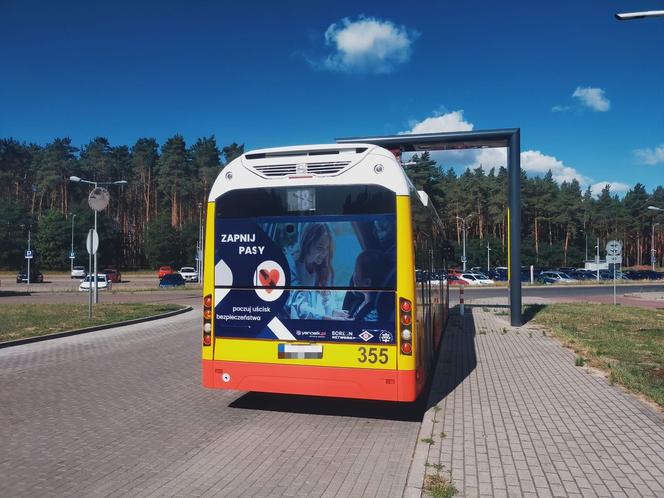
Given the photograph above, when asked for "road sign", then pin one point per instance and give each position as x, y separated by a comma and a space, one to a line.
614, 248
92, 242
614, 259
72, 255
99, 198
28, 254
464, 259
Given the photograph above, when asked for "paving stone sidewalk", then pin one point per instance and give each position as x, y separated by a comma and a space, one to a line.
512, 416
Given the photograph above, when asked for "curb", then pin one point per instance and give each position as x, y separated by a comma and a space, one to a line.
67, 333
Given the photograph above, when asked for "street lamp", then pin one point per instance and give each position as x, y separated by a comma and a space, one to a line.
628, 16
96, 184
71, 254
652, 237
199, 248
463, 227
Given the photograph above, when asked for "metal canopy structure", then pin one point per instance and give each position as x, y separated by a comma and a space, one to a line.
509, 138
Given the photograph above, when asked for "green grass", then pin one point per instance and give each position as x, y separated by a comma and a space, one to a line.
627, 342
18, 321
438, 486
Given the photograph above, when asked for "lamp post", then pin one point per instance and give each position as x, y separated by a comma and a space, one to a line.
96, 184
488, 257
72, 241
628, 16
199, 248
652, 237
463, 227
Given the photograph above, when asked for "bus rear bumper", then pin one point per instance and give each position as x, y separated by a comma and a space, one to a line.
362, 383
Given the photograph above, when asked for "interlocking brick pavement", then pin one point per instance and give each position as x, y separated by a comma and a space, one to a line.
512, 416
122, 412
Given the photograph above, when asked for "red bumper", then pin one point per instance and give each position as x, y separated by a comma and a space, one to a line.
362, 383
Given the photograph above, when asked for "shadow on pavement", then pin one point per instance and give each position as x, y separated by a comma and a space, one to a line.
456, 359
340, 407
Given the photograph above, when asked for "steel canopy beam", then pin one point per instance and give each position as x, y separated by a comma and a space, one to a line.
508, 138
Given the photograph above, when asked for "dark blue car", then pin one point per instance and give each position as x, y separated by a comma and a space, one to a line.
171, 280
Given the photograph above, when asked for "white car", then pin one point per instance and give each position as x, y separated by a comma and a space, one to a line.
475, 279
189, 274
78, 272
102, 283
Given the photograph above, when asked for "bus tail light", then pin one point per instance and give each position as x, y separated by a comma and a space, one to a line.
207, 320
405, 320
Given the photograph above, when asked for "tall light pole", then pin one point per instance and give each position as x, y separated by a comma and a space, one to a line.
628, 16
463, 227
96, 184
199, 248
652, 237
488, 258
72, 241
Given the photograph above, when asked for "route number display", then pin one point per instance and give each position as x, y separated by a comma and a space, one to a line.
373, 355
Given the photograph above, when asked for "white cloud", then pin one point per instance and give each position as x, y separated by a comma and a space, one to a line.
560, 108
651, 156
451, 121
593, 98
368, 45
616, 188
534, 162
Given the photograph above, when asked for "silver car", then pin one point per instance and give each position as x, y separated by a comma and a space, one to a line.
78, 272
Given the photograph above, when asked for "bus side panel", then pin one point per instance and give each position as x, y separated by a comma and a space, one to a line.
410, 383
208, 273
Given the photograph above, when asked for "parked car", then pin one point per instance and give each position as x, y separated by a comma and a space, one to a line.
475, 279
172, 280
113, 275
555, 277
164, 270
78, 272
103, 283
36, 277
189, 274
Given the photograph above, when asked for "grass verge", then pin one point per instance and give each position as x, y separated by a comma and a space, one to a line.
19, 321
627, 342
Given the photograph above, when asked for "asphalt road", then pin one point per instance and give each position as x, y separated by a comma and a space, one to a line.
122, 412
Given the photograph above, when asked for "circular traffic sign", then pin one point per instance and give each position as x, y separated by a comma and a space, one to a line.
99, 198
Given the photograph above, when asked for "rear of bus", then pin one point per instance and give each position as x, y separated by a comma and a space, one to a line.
309, 276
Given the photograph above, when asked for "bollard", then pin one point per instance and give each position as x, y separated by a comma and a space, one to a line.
461, 300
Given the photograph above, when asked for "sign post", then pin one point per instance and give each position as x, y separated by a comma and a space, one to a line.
614, 256
92, 244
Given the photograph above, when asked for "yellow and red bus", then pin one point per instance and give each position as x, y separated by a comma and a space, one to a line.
323, 275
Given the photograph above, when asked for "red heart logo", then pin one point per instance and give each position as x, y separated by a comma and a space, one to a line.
268, 279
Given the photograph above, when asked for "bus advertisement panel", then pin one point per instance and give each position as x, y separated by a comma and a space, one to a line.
315, 278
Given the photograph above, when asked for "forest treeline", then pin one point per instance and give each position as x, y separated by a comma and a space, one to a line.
154, 218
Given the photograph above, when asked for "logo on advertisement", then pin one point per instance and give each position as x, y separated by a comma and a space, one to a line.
385, 337
269, 279
366, 335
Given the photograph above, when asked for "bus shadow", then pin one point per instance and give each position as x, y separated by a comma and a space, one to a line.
456, 360
340, 407
457, 357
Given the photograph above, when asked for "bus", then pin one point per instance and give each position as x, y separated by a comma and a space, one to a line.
322, 275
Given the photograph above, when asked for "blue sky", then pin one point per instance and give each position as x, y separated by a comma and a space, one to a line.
586, 90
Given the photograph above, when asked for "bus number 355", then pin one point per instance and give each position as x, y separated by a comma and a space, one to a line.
373, 355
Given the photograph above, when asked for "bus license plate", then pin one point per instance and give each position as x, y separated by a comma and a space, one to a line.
300, 351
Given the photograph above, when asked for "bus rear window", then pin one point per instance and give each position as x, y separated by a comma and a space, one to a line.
346, 240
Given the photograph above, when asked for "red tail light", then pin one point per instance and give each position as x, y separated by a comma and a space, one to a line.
207, 320
405, 320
